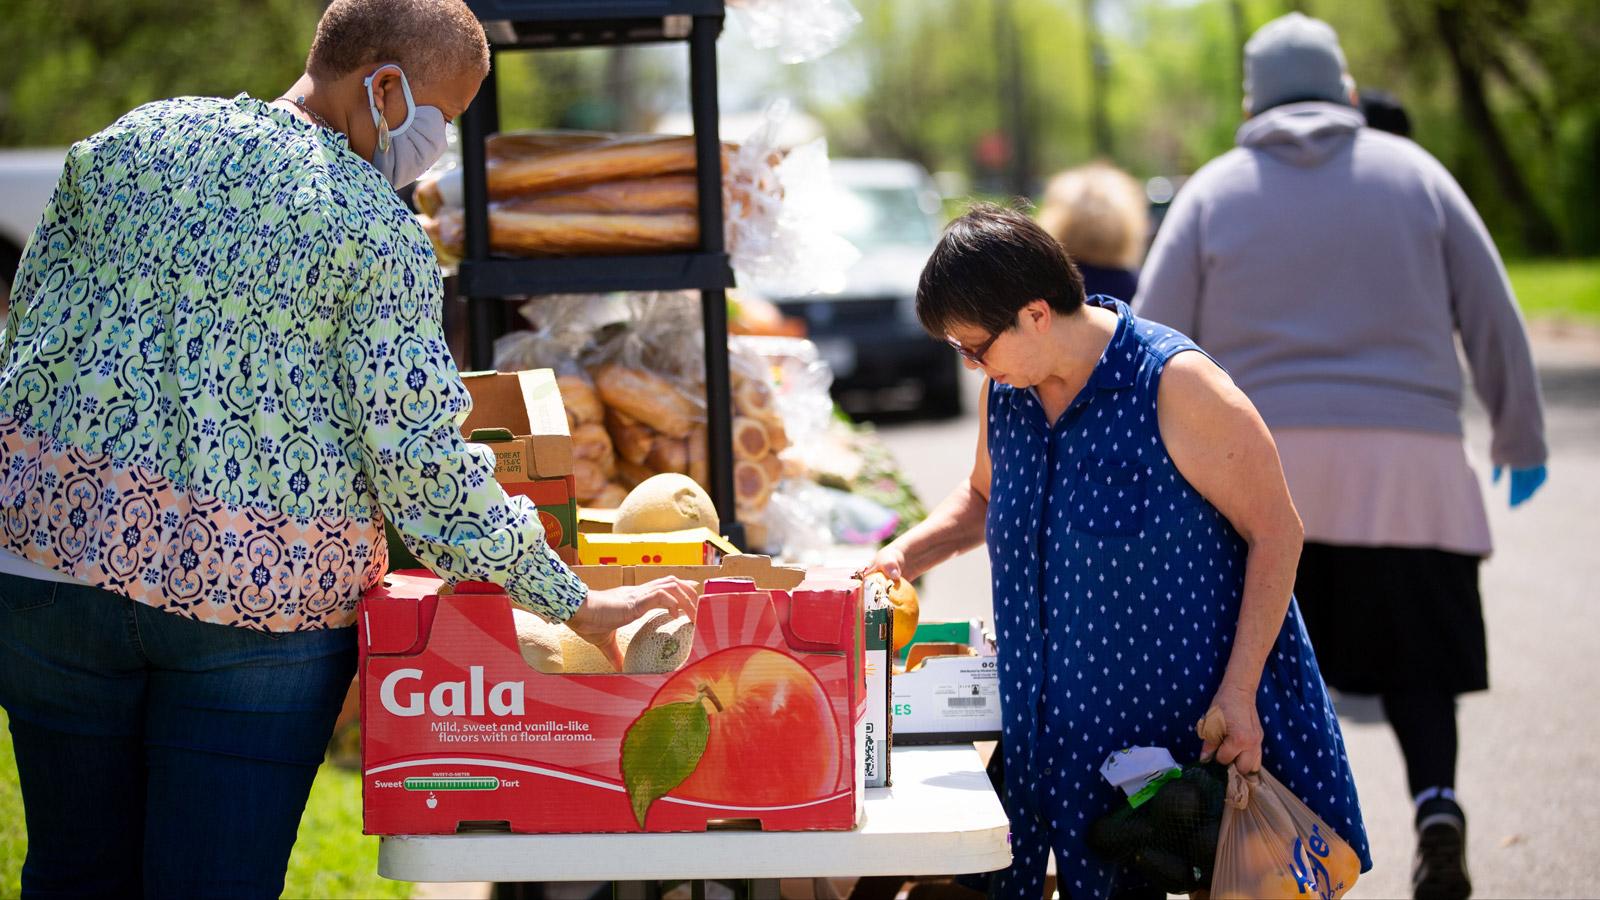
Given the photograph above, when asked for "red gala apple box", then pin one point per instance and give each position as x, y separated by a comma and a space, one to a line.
758, 728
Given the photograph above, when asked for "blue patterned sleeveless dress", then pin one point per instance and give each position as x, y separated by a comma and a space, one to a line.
1116, 597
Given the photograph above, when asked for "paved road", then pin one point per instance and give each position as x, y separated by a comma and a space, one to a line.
1530, 760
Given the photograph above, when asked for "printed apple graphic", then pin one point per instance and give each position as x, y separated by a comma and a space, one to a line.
746, 726
433, 802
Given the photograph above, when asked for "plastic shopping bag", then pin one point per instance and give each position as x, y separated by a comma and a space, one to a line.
1273, 845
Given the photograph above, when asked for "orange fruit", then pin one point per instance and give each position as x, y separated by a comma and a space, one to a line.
902, 599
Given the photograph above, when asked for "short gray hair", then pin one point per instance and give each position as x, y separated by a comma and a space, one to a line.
432, 40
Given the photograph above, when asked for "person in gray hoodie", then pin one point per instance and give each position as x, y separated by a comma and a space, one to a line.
1330, 268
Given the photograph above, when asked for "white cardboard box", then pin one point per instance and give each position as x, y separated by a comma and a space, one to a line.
948, 699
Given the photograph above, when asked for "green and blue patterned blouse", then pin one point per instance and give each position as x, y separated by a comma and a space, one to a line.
225, 368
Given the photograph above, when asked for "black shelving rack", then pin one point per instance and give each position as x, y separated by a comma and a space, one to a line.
522, 25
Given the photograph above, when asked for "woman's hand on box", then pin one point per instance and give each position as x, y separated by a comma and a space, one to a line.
603, 612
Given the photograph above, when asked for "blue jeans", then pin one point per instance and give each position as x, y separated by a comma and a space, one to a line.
160, 756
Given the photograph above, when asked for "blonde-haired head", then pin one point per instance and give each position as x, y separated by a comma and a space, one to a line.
1099, 215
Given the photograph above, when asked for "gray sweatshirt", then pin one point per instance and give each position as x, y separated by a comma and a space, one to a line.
1328, 267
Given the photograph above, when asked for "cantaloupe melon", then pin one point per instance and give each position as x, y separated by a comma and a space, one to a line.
539, 641
655, 642
666, 502
555, 648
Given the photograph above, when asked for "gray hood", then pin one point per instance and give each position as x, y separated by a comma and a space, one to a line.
1302, 134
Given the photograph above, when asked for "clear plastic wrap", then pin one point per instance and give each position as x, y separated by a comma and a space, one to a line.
584, 193
800, 30
779, 225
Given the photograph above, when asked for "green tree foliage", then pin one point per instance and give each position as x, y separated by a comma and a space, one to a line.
70, 67
1528, 154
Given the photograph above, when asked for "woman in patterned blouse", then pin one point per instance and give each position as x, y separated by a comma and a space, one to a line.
223, 372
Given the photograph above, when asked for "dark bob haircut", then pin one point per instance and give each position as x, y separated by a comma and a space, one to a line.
990, 263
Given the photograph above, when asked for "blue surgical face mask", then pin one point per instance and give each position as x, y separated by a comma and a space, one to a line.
404, 153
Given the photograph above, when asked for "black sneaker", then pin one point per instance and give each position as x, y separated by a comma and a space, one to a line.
1440, 869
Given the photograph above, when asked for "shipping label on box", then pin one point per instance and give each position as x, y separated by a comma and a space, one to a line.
948, 699
876, 725
757, 728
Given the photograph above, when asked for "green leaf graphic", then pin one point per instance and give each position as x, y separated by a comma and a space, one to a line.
661, 749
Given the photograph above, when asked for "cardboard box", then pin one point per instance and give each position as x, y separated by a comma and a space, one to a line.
948, 700
877, 724
528, 405
532, 450
690, 547
967, 631
458, 733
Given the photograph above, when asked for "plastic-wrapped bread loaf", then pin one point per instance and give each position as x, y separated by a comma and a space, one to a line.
646, 397
531, 162
631, 438
571, 234
667, 193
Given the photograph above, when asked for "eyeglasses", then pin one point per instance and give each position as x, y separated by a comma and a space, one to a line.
972, 355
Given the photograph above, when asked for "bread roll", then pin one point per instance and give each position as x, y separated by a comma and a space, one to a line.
591, 441
647, 397
581, 402
750, 482
427, 196
669, 454
777, 435
631, 438
773, 466
699, 456
588, 479
610, 498
749, 439
752, 397
632, 474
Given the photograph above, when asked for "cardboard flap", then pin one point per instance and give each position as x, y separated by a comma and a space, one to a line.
528, 404
820, 618
395, 616
729, 619
390, 625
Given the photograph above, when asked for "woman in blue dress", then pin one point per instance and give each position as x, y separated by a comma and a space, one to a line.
1143, 549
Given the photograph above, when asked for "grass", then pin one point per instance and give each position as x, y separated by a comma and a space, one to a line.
331, 858
1562, 288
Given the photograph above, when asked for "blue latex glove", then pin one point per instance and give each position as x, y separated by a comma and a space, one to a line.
1524, 482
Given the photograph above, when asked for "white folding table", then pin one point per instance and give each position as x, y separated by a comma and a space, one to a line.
941, 817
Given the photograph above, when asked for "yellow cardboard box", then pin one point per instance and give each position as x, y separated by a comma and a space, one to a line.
690, 547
